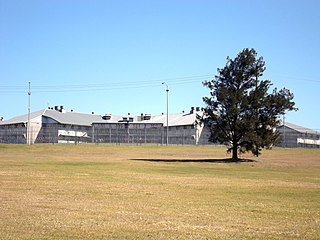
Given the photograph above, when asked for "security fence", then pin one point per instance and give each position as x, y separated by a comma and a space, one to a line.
15, 134
114, 133
131, 133
13, 137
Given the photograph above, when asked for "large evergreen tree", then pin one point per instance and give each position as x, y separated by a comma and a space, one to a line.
241, 112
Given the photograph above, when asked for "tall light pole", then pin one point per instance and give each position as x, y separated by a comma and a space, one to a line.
284, 131
28, 126
167, 90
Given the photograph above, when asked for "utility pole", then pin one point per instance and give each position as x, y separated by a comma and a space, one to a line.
28, 124
167, 135
284, 131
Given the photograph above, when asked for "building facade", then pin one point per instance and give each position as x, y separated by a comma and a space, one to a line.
295, 136
55, 125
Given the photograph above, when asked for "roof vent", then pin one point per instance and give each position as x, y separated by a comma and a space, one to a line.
147, 117
62, 109
127, 119
107, 116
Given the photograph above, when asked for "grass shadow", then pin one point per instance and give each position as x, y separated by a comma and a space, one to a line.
225, 160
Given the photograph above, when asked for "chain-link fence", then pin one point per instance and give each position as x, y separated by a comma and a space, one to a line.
113, 133
131, 133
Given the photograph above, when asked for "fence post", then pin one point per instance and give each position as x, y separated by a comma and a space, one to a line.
92, 138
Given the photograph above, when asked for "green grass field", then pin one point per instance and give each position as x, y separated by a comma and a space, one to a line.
157, 192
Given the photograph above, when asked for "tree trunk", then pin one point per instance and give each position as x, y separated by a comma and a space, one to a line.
235, 152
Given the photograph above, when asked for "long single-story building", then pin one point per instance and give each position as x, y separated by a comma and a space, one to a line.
56, 125
295, 136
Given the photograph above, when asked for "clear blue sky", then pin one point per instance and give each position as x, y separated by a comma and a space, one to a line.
112, 56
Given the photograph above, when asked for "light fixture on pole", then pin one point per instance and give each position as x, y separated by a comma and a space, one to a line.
28, 124
167, 130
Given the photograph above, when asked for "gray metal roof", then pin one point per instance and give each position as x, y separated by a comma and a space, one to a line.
72, 118
300, 128
176, 119
84, 119
23, 118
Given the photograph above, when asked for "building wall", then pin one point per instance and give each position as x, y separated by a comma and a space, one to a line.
131, 133
50, 131
290, 138
13, 133
35, 128
287, 137
183, 135
189, 135
204, 137
63, 133
47, 130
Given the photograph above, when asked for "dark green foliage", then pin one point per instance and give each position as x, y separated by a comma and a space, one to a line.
241, 112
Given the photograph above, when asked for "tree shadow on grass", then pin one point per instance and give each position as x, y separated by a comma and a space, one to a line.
225, 160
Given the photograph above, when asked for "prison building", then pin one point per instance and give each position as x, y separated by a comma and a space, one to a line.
48, 126
56, 125
295, 136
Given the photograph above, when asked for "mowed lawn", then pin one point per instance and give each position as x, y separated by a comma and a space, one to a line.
157, 192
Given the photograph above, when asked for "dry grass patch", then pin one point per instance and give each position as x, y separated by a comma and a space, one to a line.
99, 192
